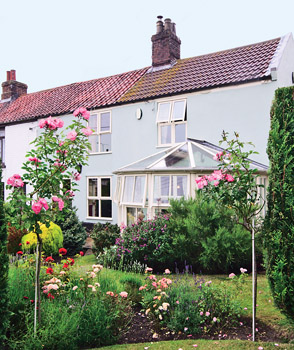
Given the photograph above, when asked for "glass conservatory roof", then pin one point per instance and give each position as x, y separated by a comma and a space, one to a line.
189, 155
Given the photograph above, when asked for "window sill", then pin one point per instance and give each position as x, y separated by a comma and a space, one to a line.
96, 218
99, 153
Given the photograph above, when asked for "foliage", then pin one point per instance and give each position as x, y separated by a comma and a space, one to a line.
104, 236
74, 234
189, 305
14, 238
279, 228
147, 242
4, 263
206, 237
51, 236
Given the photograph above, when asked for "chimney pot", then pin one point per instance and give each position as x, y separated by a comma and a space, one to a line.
8, 75
12, 75
166, 46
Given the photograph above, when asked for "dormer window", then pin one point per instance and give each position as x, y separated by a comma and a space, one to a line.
100, 140
171, 121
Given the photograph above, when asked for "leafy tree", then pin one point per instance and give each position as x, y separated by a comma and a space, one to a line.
4, 263
279, 225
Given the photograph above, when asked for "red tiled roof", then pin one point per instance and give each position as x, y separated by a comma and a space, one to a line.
65, 99
239, 65
233, 66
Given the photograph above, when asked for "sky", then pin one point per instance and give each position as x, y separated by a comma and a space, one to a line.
58, 42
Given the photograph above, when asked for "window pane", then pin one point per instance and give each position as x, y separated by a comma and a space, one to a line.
181, 182
163, 112
93, 188
94, 141
179, 110
139, 189
165, 134
180, 131
161, 189
105, 122
128, 189
105, 188
93, 122
131, 216
93, 208
106, 209
117, 189
2, 132
105, 143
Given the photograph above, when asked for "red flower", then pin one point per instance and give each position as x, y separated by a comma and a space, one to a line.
50, 296
32, 301
71, 261
49, 271
25, 297
19, 252
20, 244
81, 253
27, 242
62, 251
65, 266
49, 259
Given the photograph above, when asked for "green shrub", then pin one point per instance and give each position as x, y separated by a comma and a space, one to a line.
147, 242
74, 234
51, 236
14, 238
279, 225
4, 263
104, 236
206, 237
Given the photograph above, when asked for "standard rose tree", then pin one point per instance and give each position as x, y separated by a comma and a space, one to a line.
56, 156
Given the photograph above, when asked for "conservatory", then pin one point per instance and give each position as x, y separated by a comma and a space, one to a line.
145, 187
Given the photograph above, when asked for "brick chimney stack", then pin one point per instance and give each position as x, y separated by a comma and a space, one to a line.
12, 89
166, 46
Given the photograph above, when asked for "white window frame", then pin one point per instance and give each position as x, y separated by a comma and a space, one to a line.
2, 141
99, 133
99, 197
170, 122
164, 205
133, 191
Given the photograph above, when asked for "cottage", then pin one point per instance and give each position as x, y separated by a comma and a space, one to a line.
147, 123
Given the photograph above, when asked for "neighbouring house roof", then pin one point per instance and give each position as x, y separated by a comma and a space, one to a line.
234, 66
193, 155
65, 99
239, 65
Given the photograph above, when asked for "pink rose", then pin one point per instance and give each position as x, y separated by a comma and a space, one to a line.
37, 207
123, 294
232, 275
43, 203
34, 159
15, 181
207, 313
77, 176
87, 131
229, 178
82, 112
42, 123
72, 135
60, 204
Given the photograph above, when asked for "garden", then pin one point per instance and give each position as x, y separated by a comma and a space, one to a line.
181, 280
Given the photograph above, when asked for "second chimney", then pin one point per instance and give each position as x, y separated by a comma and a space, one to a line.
166, 46
12, 89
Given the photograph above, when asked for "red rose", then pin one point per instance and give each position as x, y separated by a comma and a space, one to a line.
49, 271
71, 261
19, 252
32, 301
25, 297
81, 253
49, 259
62, 251
27, 242
65, 266
50, 296
20, 244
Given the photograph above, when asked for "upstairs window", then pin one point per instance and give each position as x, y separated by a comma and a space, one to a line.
100, 140
2, 146
171, 116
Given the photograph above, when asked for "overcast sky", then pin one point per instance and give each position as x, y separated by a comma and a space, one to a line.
57, 42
